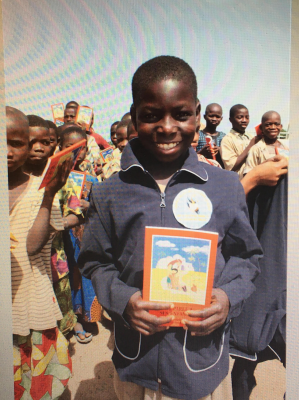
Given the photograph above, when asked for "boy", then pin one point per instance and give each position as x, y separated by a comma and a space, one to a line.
113, 133
265, 148
157, 167
40, 145
33, 219
237, 143
70, 114
213, 116
131, 131
122, 134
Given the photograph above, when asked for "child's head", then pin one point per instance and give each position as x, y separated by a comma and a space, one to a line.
72, 135
271, 125
72, 104
113, 133
70, 114
239, 117
122, 134
195, 140
17, 132
213, 115
53, 135
39, 137
132, 133
126, 117
164, 107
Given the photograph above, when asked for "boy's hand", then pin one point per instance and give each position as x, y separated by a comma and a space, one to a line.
60, 179
84, 205
213, 316
271, 170
207, 151
138, 316
254, 140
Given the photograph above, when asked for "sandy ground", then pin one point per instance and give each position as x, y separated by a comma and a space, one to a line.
93, 372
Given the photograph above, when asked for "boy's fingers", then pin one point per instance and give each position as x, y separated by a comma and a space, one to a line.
151, 305
205, 313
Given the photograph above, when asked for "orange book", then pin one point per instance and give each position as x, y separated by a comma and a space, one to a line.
107, 154
84, 116
283, 152
58, 113
179, 268
50, 170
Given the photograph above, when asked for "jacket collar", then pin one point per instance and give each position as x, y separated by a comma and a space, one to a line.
191, 164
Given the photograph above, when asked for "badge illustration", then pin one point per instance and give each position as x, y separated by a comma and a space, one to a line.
192, 208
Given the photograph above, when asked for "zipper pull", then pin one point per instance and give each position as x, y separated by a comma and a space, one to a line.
162, 204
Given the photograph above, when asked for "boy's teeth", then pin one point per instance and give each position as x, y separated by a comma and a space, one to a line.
167, 146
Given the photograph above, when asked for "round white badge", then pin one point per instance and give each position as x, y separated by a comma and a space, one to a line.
192, 208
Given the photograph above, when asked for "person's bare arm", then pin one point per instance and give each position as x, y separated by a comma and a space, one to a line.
40, 231
267, 173
242, 157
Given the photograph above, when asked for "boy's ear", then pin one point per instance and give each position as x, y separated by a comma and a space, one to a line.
198, 108
133, 116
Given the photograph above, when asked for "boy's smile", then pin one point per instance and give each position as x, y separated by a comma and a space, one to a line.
165, 119
240, 120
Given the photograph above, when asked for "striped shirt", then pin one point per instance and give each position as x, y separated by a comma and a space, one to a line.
202, 139
34, 304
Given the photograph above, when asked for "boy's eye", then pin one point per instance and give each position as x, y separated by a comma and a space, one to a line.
183, 115
46, 142
16, 143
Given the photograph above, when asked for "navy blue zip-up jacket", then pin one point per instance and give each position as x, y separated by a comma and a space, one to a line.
188, 367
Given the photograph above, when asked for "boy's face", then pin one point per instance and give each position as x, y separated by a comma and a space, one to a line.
17, 145
195, 140
113, 134
121, 135
132, 132
71, 139
213, 116
70, 114
240, 120
53, 139
271, 126
40, 148
165, 119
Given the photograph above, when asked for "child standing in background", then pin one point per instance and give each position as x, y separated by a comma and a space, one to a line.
237, 143
213, 116
85, 304
266, 147
40, 350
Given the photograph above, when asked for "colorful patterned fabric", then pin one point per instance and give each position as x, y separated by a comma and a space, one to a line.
62, 289
202, 139
83, 295
42, 365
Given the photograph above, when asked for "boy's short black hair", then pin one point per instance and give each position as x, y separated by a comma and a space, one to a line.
36, 121
236, 108
72, 104
123, 123
52, 125
114, 123
68, 131
126, 116
161, 68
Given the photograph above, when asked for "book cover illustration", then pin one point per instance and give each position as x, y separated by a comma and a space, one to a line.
107, 154
179, 268
58, 113
76, 180
51, 168
87, 187
84, 116
283, 152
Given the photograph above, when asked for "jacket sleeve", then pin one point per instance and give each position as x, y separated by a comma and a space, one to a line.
241, 250
96, 262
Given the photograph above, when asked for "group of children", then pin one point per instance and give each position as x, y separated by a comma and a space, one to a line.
70, 257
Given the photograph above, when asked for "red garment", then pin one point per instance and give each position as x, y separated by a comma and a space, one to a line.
101, 142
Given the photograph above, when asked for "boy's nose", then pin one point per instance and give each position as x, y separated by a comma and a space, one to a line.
168, 125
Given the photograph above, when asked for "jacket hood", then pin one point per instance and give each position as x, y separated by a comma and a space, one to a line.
191, 163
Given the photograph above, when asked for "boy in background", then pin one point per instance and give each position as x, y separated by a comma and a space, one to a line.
40, 146
150, 358
53, 136
237, 143
266, 147
213, 116
40, 350
113, 133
